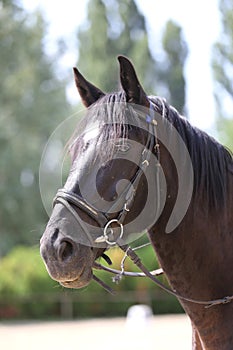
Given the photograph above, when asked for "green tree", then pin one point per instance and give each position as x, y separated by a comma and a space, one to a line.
32, 102
171, 72
113, 28
222, 64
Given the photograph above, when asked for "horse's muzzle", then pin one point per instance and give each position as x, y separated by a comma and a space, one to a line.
64, 260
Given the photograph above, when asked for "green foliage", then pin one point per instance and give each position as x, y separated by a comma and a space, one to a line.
222, 63
22, 278
32, 102
22, 273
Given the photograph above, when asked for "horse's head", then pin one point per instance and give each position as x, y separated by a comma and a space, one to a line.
100, 203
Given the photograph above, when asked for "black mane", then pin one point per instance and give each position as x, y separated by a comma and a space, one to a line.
211, 161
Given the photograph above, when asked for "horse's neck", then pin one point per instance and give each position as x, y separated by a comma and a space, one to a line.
197, 260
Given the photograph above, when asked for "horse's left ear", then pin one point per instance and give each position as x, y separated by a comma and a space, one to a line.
130, 83
87, 91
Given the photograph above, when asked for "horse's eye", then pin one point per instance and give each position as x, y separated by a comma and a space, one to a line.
123, 147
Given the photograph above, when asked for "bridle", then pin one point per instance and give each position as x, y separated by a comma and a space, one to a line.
68, 199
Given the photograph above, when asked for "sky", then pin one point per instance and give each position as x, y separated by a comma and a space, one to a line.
201, 27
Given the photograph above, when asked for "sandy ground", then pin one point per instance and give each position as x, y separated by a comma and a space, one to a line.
160, 333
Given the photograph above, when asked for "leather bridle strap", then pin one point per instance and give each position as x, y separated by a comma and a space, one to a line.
79, 202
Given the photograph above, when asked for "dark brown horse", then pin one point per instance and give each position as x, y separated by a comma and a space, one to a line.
136, 165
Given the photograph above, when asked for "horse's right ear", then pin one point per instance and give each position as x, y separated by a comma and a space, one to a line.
88, 92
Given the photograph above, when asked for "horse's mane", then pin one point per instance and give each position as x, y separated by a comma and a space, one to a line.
210, 160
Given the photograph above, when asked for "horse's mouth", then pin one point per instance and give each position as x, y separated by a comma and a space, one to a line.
84, 278
81, 281
71, 284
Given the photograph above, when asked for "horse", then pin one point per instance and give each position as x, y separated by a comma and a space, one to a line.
138, 165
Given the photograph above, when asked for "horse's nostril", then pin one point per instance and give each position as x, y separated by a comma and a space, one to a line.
65, 250
55, 235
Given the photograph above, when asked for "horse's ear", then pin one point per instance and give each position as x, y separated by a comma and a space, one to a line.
88, 92
130, 83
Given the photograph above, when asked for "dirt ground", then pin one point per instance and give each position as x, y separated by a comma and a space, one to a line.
157, 333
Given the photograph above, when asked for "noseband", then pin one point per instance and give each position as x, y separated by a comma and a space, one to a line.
69, 198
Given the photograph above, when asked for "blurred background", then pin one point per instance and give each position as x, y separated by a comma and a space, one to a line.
182, 51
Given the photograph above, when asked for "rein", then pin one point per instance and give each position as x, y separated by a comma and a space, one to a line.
129, 252
68, 198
